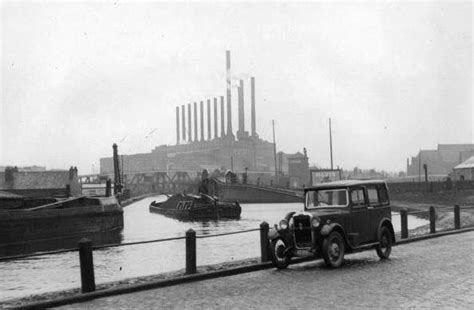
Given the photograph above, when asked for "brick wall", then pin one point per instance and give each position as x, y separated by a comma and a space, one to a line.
41, 180
438, 186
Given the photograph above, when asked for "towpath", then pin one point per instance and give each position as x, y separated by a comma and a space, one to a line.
435, 273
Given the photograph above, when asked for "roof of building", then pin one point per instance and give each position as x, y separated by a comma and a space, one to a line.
296, 155
469, 163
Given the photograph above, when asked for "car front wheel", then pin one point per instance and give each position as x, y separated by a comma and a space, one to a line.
384, 248
280, 257
333, 250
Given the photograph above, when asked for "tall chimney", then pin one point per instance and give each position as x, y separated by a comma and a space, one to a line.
241, 109
252, 94
195, 122
229, 104
222, 117
183, 122
209, 135
190, 138
215, 118
202, 121
177, 124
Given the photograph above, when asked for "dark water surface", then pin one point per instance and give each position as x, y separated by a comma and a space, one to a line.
61, 271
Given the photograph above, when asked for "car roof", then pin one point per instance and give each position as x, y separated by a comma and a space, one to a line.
343, 183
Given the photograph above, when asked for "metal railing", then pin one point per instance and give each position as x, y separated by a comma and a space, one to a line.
85, 249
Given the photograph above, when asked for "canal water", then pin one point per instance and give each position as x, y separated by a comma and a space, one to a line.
42, 274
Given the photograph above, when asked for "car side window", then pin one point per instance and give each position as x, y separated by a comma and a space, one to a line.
357, 197
383, 195
373, 196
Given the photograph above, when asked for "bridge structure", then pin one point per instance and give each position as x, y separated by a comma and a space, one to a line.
145, 182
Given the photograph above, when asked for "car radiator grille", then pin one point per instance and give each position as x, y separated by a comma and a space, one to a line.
302, 231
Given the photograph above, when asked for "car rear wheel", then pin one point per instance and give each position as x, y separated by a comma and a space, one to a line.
384, 248
280, 257
333, 250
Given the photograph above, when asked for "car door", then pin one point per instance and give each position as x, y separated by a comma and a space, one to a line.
359, 214
376, 211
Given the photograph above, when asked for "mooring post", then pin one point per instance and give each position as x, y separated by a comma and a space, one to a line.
108, 188
457, 217
190, 252
68, 190
87, 265
404, 222
264, 228
432, 220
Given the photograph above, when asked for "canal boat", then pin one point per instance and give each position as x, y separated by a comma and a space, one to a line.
196, 207
25, 221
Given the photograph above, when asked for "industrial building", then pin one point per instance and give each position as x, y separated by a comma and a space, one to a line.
440, 161
212, 144
465, 170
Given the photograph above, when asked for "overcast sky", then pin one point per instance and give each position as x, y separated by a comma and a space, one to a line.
395, 77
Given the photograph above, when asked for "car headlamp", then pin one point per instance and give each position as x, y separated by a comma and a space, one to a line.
283, 224
315, 222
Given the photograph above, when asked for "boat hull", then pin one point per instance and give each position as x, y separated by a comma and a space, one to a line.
88, 216
191, 207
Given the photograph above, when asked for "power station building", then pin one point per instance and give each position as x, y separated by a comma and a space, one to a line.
209, 144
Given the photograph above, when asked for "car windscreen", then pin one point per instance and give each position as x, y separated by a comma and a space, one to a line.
324, 198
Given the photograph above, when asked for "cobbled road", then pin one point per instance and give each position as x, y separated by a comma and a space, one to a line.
435, 273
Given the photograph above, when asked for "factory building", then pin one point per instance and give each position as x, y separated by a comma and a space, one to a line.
214, 145
440, 161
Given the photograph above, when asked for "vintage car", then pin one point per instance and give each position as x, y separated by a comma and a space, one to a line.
338, 217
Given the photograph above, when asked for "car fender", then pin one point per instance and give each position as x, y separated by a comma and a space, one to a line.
386, 222
273, 234
289, 215
328, 228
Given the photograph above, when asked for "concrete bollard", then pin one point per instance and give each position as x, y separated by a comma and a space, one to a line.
432, 220
264, 246
190, 252
457, 217
404, 222
87, 265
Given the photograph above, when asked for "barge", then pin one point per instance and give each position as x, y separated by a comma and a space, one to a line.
26, 223
196, 207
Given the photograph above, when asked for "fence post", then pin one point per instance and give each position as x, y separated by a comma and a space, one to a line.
404, 222
432, 220
87, 265
457, 217
108, 188
190, 251
264, 228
